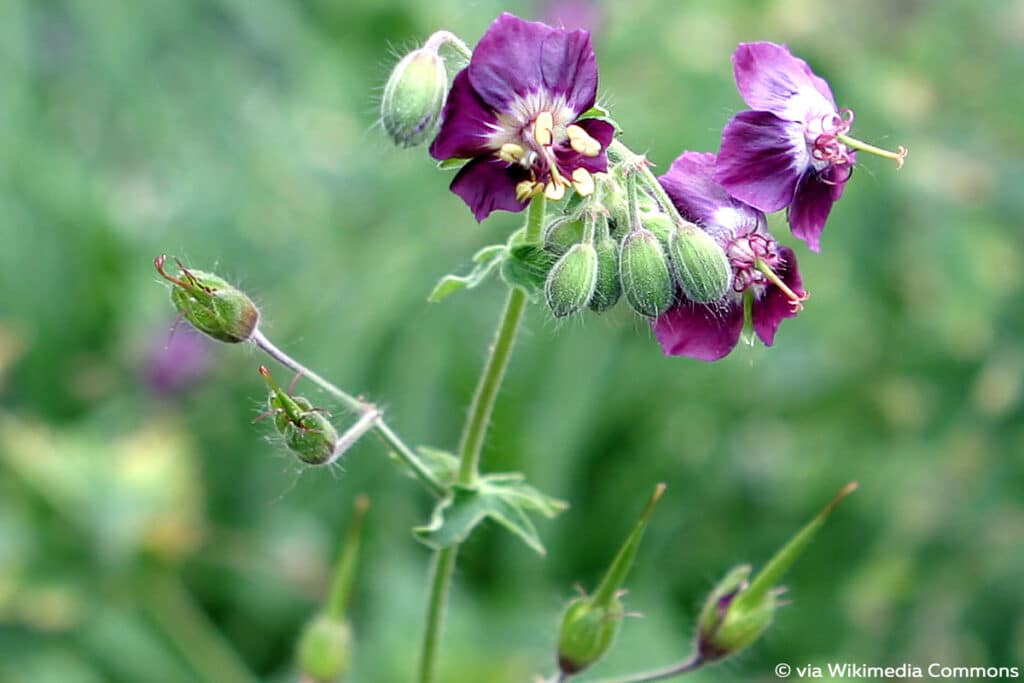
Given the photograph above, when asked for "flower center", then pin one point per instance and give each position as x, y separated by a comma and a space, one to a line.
824, 139
755, 259
530, 133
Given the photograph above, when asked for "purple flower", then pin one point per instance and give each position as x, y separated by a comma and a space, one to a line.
178, 361
792, 148
766, 285
514, 113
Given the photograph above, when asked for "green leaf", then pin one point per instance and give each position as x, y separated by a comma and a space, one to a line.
503, 498
451, 164
486, 260
601, 114
526, 264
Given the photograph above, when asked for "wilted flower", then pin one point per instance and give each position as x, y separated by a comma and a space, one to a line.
514, 113
792, 148
766, 285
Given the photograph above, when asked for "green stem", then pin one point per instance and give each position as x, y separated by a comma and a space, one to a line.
195, 636
639, 164
686, 666
359, 407
345, 570
471, 444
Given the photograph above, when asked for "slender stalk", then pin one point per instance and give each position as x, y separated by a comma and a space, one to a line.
439, 38
689, 665
639, 164
471, 444
359, 407
205, 648
345, 569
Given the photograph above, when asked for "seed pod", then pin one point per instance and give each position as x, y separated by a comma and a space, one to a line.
306, 431
414, 97
211, 304
572, 280
325, 649
660, 224
645, 275
609, 288
587, 632
701, 266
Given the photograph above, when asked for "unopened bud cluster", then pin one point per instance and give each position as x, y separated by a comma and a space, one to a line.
306, 430
620, 242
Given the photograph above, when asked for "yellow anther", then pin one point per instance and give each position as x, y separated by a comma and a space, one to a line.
583, 182
543, 128
581, 141
554, 191
526, 189
511, 153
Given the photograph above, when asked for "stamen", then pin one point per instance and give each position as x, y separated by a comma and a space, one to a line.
581, 142
511, 153
795, 300
554, 191
899, 156
583, 182
527, 189
543, 128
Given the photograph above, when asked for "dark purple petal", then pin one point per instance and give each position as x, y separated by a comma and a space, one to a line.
690, 183
771, 79
569, 159
700, 332
774, 306
516, 58
761, 159
489, 184
465, 124
813, 201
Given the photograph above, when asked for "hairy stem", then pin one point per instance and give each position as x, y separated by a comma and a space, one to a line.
471, 444
359, 407
639, 164
688, 665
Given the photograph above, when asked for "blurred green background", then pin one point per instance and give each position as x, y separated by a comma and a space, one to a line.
149, 532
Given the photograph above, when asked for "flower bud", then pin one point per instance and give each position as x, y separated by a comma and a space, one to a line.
414, 97
587, 632
645, 275
210, 304
701, 267
562, 233
305, 429
660, 223
609, 288
325, 649
572, 280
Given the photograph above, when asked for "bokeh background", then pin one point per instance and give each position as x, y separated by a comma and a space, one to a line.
150, 532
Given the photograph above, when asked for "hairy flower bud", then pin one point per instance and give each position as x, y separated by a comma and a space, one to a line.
609, 288
645, 275
562, 233
210, 304
325, 649
306, 430
701, 267
587, 632
572, 280
414, 97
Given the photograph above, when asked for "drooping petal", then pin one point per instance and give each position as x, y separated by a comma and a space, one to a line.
690, 184
812, 203
517, 58
466, 123
761, 159
489, 184
698, 331
771, 79
569, 159
774, 306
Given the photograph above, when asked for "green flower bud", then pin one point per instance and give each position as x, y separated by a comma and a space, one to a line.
701, 266
210, 304
562, 233
414, 97
325, 649
306, 430
572, 280
645, 275
660, 224
738, 611
587, 632
609, 288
